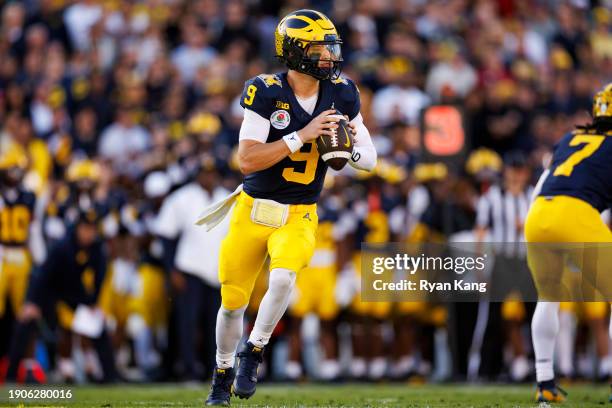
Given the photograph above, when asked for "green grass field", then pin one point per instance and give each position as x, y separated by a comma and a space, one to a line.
350, 395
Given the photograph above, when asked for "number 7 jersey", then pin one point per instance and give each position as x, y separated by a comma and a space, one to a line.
298, 178
582, 168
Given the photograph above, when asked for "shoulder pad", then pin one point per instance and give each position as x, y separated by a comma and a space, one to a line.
259, 94
270, 80
348, 96
340, 80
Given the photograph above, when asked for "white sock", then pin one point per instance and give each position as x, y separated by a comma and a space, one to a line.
358, 367
519, 368
605, 366
565, 343
403, 366
66, 367
329, 370
273, 305
293, 370
544, 328
228, 335
377, 368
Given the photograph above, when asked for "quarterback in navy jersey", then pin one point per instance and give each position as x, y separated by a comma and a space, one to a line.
275, 214
297, 178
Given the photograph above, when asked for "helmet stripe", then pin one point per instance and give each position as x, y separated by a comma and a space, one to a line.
311, 14
296, 23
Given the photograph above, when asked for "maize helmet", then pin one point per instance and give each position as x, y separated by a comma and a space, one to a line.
602, 105
306, 41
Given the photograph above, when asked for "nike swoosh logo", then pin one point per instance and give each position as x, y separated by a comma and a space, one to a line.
348, 139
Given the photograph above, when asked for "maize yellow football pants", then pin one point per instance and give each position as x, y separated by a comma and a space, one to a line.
568, 231
15, 267
247, 244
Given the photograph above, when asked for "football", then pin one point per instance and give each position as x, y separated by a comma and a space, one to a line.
336, 150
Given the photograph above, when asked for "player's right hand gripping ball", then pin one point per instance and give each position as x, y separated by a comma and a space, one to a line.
336, 150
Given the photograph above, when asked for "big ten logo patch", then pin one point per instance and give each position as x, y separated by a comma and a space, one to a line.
282, 105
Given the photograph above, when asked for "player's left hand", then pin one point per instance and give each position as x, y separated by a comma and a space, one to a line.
351, 127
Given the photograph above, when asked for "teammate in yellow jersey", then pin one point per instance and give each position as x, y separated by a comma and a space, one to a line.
573, 192
275, 214
21, 241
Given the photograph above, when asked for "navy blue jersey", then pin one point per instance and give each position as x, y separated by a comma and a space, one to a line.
16, 214
582, 167
373, 225
70, 273
298, 178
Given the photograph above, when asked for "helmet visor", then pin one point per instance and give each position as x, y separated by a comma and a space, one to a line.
324, 51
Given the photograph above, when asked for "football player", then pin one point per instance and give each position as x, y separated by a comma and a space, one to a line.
79, 194
573, 192
21, 241
16, 213
72, 275
275, 213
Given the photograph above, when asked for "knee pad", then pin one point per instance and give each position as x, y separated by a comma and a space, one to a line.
233, 297
281, 280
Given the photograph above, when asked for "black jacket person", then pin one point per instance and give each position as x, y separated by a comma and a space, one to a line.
73, 274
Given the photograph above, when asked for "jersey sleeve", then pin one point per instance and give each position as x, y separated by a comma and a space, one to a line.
349, 96
254, 97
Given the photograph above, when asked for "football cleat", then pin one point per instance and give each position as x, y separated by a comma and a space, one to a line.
246, 376
221, 387
549, 391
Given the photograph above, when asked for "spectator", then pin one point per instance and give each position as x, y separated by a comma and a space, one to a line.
194, 53
193, 271
123, 138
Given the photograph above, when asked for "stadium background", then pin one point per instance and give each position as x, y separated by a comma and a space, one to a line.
97, 95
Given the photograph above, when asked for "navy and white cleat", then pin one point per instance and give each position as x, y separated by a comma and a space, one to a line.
246, 376
221, 388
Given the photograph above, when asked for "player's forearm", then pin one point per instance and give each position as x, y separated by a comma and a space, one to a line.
364, 158
364, 155
254, 157
36, 243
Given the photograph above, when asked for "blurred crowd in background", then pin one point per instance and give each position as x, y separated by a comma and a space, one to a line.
130, 109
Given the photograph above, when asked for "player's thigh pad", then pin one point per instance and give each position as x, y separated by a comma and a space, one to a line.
325, 298
18, 276
151, 302
292, 245
242, 254
301, 302
564, 219
595, 310
513, 310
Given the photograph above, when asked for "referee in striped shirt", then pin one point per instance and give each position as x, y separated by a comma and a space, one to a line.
500, 219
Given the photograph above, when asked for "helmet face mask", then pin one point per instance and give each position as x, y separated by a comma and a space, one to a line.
307, 42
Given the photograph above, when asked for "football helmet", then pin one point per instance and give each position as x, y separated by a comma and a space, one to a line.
602, 105
13, 165
13, 158
307, 41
